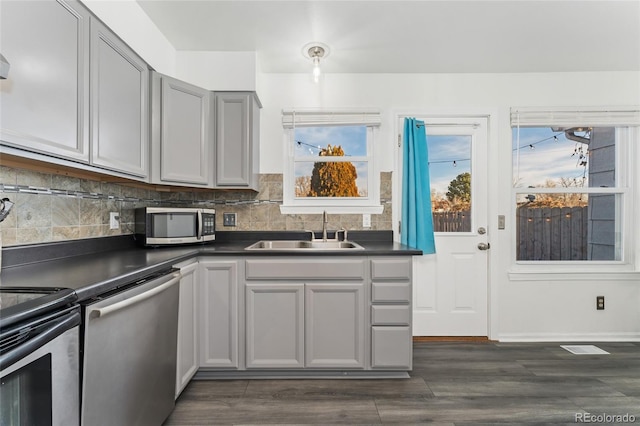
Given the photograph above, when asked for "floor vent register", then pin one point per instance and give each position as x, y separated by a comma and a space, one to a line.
584, 350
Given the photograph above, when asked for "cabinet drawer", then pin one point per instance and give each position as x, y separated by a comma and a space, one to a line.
306, 269
390, 315
391, 269
390, 292
391, 347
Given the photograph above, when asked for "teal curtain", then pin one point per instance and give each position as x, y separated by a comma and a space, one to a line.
417, 222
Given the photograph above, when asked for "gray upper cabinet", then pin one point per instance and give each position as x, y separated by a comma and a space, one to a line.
119, 104
237, 122
182, 148
44, 101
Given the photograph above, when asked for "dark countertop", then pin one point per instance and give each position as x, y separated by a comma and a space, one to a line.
119, 263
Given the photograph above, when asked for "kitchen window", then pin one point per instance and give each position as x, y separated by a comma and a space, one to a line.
329, 162
573, 185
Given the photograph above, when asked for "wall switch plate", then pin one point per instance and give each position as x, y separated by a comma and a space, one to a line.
114, 220
366, 220
600, 303
229, 219
501, 221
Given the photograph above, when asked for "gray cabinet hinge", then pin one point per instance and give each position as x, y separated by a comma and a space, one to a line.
399, 227
399, 140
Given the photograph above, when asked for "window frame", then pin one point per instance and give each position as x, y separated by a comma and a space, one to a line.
627, 124
292, 119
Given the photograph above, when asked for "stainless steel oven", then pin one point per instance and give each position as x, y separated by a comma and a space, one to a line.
39, 357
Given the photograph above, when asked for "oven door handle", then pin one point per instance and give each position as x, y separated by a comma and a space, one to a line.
57, 328
101, 312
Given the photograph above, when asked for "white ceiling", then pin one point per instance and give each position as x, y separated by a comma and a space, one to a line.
419, 36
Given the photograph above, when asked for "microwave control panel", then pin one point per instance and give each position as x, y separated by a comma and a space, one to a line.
208, 224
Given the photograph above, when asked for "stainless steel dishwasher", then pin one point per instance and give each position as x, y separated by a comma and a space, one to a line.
129, 353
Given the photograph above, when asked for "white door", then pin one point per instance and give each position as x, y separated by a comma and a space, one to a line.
450, 286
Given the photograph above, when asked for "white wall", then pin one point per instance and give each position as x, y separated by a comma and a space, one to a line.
134, 27
520, 309
217, 70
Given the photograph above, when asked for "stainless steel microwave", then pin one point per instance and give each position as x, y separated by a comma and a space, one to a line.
156, 226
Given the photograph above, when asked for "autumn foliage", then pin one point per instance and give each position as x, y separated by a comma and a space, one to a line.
333, 178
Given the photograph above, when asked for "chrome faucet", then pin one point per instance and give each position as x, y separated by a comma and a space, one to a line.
324, 225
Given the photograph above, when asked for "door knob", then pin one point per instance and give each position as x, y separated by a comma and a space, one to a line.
484, 246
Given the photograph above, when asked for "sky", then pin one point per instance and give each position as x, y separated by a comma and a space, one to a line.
542, 155
539, 154
352, 139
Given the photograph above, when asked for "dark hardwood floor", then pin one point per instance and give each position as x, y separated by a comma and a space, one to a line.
451, 384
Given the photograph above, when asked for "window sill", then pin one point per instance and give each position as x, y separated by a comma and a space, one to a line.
375, 209
602, 275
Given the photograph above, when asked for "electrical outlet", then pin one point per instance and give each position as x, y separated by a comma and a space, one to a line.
366, 220
229, 219
600, 303
114, 220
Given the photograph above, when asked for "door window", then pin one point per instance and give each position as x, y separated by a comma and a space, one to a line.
450, 175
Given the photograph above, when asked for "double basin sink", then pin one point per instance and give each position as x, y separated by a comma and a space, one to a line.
296, 245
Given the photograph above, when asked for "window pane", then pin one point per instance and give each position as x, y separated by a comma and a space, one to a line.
450, 175
323, 140
575, 226
331, 179
558, 157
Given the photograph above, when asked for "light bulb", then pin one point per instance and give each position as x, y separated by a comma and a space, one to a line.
316, 69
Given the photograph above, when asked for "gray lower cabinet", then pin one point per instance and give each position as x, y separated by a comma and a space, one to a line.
275, 330
187, 360
119, 104
181, 141
334, 325
45, 99
391, 335
218, 299
305, 313
237, 140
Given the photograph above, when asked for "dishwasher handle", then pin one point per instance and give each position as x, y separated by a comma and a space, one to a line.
101, 312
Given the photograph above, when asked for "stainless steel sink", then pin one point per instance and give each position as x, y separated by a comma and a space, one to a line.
295, 245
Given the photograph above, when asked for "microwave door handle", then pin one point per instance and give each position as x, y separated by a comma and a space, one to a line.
200, 225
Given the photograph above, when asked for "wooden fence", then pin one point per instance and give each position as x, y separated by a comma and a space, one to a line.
452, 221
551, 233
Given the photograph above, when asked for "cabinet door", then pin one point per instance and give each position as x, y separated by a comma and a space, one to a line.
219, 313
391, 347
119, 104
274, 325
237, 139
187, 362
335, 325
44, 102
184, 147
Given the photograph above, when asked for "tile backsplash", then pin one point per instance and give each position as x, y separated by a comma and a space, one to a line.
51, 207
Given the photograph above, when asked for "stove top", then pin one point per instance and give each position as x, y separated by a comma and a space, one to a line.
19, 304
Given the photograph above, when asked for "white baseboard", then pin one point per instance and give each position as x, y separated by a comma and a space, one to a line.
570, 337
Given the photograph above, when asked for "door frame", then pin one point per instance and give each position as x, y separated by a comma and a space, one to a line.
493, 190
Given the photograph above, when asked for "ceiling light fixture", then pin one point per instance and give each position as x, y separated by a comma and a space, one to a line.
316, 51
